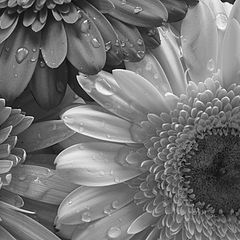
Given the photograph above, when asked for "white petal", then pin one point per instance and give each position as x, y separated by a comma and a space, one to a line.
112, 227
86, 204
96, 164
140, 90
95, 122
199, 42
142, 222
104, 90
5, 166
23, 227
39, 183
169, 60
231, 54
151, 70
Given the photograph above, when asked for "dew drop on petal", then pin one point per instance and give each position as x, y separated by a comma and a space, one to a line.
107, 210
21, 54
22, 177
85, 26
140, 54
140, 42
86, 217
137, 10
95, 43
115, 204
211, 65
103, 87
86, 83
221, 21
114, 232
108, 46
124, 1
42, 64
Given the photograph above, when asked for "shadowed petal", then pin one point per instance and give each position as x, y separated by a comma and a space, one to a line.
18, 60
54, 43
23, 227
97, 164
4, 234
43, 134
39, 183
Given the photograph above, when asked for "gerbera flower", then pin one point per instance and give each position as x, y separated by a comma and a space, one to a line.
14, 223
162, 160
44, 41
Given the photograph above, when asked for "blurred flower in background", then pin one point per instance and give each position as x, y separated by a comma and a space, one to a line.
49, 41
161, 156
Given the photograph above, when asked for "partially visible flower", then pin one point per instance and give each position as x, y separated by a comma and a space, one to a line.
14, 222
162, 157
44, 41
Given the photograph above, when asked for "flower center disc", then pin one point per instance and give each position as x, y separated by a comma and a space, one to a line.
215, 172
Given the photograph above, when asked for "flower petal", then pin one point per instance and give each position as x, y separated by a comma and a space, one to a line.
151, 70
140, 90
95, 122
86, 49
39, 183
231, 54
43, 134
143, 221
96, 164
11, 198
4, 234
86, 204
23, 227
5, 33
54, 43
167, 55
18, 61
114, 226
104, 89
199, 31
48, 85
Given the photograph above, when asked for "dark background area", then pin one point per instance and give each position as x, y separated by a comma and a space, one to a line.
230, 1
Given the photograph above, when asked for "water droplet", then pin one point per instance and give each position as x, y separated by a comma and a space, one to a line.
22, 177
42, 64
117, 180
124, 1
108, 46
114, 232
140, 42
116, 204
69, 202
137, 10
86, 83
151, 32
221, 21
34, 49
148, 66
95, 43
103, 87
155, 76
33, 60
211, 65
108, 210
85, 26
86, 217
15, 75
21, 55
140, 54
7, 49
117, 43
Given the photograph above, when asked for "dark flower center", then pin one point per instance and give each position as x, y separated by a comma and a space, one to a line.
215, 172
